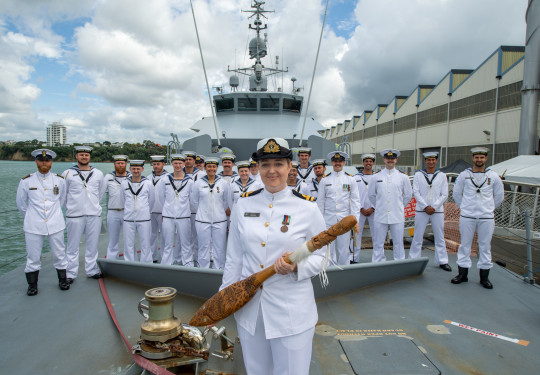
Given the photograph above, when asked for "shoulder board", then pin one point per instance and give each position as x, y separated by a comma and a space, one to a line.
303, 196
326, 175
251, 193
25, 177
404, 173
59, 175
348, 174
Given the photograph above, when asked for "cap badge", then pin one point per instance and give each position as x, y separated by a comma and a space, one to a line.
390, 153
43, 153
271, 147
336, 155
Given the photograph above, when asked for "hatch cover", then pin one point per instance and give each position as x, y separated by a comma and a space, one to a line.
387, 355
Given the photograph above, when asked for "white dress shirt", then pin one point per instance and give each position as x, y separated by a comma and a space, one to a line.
338, 197
390, 191
363, 181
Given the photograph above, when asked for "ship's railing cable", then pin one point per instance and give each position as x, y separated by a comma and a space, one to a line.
11, 236
5, 212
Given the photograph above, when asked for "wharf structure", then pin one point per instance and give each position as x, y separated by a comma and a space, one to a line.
466, 108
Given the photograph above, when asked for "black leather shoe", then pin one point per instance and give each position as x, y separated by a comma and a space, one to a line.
97, 276
154, 261
32, 279
353, 262
70, 280
62, 280
446, 267
461, 277
484, 281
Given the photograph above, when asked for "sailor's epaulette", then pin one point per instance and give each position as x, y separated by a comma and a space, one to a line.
251, 193
25, 177
348, 174
59, 175
303, 196
326, 175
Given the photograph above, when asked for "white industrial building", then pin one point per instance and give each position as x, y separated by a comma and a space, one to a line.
56, 134
466, 108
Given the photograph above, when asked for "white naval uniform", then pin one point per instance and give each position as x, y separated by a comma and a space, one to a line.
430, 190
300, 187
229, 178
174, 198
306, 174
283, 311
313, 188
115, 211
477, 213
390, 191
40, 199
156, 220
210, 204
137, 198
363, 181
195, 175
338, 197
256, 177
83, 215
237, 189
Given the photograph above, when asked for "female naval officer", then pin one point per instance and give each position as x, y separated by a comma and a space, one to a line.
276, 327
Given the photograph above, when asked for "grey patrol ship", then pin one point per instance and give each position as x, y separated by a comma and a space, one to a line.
395, 317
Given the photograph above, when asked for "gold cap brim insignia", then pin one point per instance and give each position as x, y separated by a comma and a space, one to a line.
43, 153
337, 155
271, 147
390, 153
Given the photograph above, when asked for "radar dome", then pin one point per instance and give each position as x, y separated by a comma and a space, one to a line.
234, 81
255, 52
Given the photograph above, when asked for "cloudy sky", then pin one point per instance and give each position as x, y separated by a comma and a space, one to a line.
130, 70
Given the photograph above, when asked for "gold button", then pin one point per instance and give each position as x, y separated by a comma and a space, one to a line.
263, 244
266, 224
270, 205
262, 266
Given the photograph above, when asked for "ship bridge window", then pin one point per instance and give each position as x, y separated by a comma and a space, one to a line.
292, 105
269, 104
224, 104
247, 104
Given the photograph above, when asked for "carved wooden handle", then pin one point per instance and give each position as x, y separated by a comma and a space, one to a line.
329, 235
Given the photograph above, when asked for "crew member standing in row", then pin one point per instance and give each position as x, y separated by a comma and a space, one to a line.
389, 191
254, 170
430, 188
158, 172
199, 163
305, 168
40, 197
319, 169
83, 213
195, 173
363, 179
294, 182
115, 210
227, 162
478, 191
242, 184
338, 197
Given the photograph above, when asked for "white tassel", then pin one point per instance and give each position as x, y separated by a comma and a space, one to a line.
322, 273
300, 253
303, 252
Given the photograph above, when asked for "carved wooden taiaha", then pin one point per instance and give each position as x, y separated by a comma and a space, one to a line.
235, 296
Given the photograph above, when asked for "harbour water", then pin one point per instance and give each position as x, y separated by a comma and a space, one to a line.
12, 244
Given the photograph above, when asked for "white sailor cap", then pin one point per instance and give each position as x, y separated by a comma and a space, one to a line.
190, 154
200, 158
272, 148
431, 154
368, 156
83, 148
252, 162
319, 162
305, 150
390, 153
158, 158
338, 155
211, 161
479, 150
136, 163
294, 164
120, 158
43, 154
230, 157
181, 157
243, 164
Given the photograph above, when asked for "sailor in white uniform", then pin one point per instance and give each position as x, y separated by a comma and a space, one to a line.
254, 170
276, 327
137, 199
242, 184
319, 169
40, 197
338, 197
389, 192
478, 191
83, 213
294, 182
430, 188
115, 211
158, 165
305, 168
210, 199
227, 162
363, 179
173, 192
199, 164
195, 173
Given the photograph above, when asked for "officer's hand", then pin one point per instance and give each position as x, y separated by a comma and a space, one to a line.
430, 210
282, 267
228, 212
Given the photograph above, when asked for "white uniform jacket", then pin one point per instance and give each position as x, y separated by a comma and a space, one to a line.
237, 189
210, 202
300, 187
256, 177
155, 178
256, 240
84, 192
363, 181
137, 198
174, 196
390, 191
338, 197
111, 185
196, 174
313, 188
478, 194
430, 190
40, 199
306, 174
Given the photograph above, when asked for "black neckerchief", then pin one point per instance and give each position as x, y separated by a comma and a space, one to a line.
84, 181
131, 188
309, 169
315, 184
205, 179
113, 173
182, 185
478, 187
248, 184
430, 182
154, 182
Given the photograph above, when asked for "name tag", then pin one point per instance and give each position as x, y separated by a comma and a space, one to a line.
205, 187
328, 185
236, 192
379, 180
167, 183
252, 214
33, 188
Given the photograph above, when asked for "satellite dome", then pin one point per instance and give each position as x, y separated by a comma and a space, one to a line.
255, 52
234, 81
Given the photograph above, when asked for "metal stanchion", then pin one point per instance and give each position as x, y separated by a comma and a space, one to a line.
529, 279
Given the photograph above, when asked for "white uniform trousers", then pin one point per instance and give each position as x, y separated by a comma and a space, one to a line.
289, 355
155, 236
339, 249
396, 230
143, 228
182, 227
34, 246
421, 221
371, 220
211, 238
75, 226
194, 238
485, 228
115, 219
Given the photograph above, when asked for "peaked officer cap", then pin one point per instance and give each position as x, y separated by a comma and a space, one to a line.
390, 153
43, 154
272, 148
338, 155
